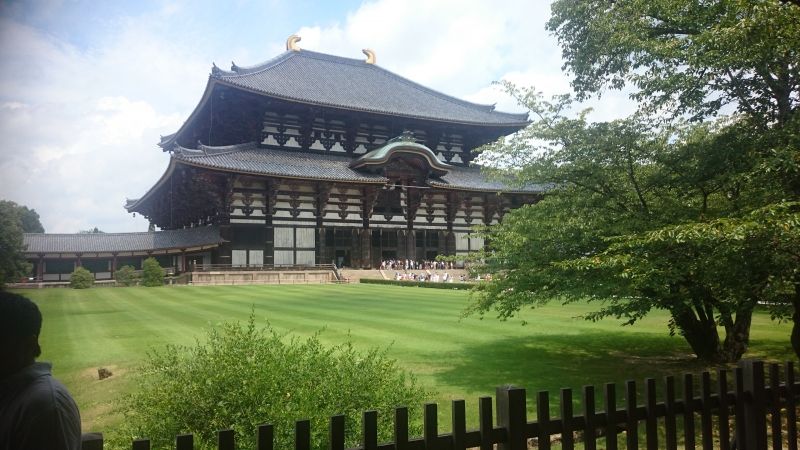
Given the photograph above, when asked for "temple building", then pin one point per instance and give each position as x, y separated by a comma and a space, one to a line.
311, 158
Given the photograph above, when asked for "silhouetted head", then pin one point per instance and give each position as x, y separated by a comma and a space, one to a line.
20, 323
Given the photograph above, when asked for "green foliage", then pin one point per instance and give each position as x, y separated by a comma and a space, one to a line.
623, 181
94, 230
686, 56
243, 376
152, 274
125, 276
13, 265
81, 279
425, 284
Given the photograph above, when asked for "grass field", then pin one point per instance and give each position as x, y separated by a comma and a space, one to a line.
458, 358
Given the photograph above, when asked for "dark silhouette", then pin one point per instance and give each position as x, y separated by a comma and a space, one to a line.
36, 410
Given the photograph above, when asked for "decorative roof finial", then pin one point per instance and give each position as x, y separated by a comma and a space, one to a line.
370, 55
291, 43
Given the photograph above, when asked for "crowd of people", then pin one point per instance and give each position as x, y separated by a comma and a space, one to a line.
410, 264
431, 277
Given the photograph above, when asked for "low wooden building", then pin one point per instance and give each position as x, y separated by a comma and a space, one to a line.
55, 256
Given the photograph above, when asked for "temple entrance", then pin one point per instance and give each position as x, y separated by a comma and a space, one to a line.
427, 244
342, 258
339, 245
384, 245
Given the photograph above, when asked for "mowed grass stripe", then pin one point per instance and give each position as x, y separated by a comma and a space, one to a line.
457, 358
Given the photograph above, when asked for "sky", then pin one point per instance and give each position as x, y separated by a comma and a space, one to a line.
87, 88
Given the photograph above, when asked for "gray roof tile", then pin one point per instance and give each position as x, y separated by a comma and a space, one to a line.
472, 178
120, 242
352, 84
281, 163
249, 158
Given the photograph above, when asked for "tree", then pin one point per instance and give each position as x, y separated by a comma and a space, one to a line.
623, 191
614, 186
29, 218
686, 56
695, 58
81, 279
243, 376
12, 248
125, 276
152, 274
94, 230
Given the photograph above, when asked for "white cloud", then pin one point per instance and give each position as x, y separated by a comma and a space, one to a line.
79, 127
79, 123
460, 46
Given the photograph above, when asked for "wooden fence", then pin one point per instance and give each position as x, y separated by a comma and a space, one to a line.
752, 412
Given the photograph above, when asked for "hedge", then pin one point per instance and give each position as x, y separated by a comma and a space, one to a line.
425, 284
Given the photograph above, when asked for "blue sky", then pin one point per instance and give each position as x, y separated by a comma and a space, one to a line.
87, 88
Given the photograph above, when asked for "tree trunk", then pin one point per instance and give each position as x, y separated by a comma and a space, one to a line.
796, 321
737, 336
702, 336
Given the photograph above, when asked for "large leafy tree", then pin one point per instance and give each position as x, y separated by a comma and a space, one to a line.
14, 221
675, 218
695, 58
616, 183
28, 217
686, 55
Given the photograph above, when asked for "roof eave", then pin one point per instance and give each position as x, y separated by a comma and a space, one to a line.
514, 125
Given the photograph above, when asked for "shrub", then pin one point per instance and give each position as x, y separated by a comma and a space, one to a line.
152, 275
81, 279
425, 284
243, 376
125, 276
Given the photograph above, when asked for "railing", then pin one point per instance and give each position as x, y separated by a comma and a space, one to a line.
751, 416
257, 267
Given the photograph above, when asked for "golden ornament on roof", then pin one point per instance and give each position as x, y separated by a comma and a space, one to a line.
370, 55
291, 43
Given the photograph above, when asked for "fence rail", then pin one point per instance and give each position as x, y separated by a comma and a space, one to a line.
256, 267
750, 416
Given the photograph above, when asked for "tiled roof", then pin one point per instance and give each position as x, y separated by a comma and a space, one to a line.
280, 163
327, 80
121, 242
249, 158
472, 178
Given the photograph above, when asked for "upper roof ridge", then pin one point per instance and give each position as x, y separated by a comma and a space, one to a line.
237, 70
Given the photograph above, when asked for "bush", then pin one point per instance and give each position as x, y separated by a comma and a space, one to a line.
152, 274
243, 376
425, 284
81, 279
125, 276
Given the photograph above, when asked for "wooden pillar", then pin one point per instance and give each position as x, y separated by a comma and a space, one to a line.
450, 243
183, 261
411, 245
322, 248
401, 243
77, 260
355, 251
40, 268
113, 264
366, 248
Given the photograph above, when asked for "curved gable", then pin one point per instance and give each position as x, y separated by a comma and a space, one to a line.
403, 145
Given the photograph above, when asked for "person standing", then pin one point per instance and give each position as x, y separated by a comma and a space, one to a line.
36, 410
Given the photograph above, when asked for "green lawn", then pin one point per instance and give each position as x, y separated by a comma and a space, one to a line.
458, 358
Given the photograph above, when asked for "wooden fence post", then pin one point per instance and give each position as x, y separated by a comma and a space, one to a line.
512, 415
92, 441
755, 412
